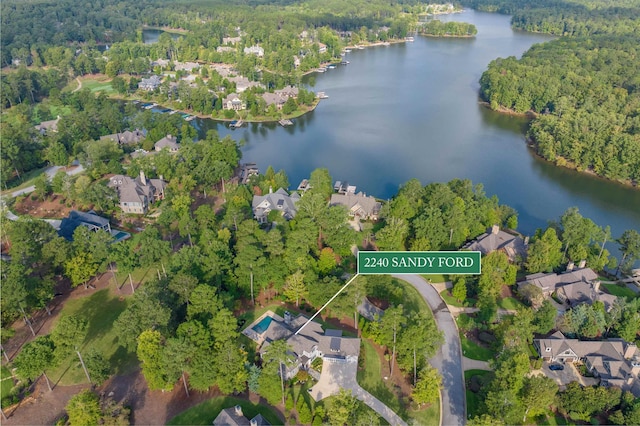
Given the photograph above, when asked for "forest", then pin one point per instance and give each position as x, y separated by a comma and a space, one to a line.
448, 29
584, 87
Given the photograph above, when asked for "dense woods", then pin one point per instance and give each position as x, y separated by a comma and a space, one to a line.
585, 85
448, 29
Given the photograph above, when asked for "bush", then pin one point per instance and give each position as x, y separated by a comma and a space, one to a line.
536, 363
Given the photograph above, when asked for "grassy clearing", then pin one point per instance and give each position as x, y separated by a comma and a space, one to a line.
413, 301
100, 309
370, 378
435, 278
450, 300
6, 382
620, 291
98, 85
474, 351
509, 303
205, 412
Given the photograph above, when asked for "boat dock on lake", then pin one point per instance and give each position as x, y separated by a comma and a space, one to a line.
235, 124
285, 122
322, 95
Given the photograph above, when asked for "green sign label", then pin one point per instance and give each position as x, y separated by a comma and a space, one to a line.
419, 262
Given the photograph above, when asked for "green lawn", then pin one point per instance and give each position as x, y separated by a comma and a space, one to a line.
470, 373
205, 412
509, 303
472, 350
98, 86
473, 399
435, 278
450, 300
100, 309
6, 383
413, 301
620, 291
370, 378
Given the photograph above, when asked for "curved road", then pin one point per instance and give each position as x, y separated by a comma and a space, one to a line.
448, 360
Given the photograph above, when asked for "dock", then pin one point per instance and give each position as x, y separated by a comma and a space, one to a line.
235, 124
284, 122
322, 95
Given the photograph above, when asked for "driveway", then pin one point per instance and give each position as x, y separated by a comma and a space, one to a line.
448, 360
50, 172
568, 375
342, 375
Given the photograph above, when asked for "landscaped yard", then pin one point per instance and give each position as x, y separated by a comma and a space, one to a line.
474, 351
435, 278
102, 84
100, 309
473, 399
509, 303
620, 291
450, 300
205, 412
371, 380
6, 383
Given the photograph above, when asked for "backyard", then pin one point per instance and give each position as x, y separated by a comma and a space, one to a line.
205, 412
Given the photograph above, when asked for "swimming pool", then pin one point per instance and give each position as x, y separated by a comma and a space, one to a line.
262, 326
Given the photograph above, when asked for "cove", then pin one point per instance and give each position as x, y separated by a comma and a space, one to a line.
411, 110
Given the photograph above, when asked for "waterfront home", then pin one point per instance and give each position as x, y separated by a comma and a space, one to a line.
169, 142
135, 195
310, 343
234, 103
150, 84
273, 99
509, 242
358, 205
186, 66
575, 286
243, 83
614, 361
125, 138
280, 201
287, 92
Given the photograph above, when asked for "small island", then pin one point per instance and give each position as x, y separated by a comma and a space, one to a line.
437, 28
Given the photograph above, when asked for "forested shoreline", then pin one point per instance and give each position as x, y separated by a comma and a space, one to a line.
584, 87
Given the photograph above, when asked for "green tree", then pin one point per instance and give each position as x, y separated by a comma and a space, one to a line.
545, 253
321, 183
459, 290
97, 366
149, 351
84, 409
295, 287
630, 248
391, 325
81, 268
34, 358
343, 408
545, 318
537, 394
427, 388
68, 335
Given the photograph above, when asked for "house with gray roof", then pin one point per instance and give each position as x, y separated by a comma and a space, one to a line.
150, 84
235, 417
126, 138
254, 50
287, 92
310, 342
359, 205
169, 142
273, 99
615, 361
510, 242
89, 220
48, 126
280, 201
136, 194
234, 103
573, 287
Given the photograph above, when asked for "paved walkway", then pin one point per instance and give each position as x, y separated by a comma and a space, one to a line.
338, 375
448, 360
474, 364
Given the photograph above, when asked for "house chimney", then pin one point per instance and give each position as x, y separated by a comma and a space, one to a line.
161, 177
570, 266
238, 410
495, 229
582, 264
630, 350
253, 422
143, 178
270, 190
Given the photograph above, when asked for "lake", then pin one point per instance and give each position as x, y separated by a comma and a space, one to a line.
411, 110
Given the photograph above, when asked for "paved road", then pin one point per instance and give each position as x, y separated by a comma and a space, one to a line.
448, 360
336, 376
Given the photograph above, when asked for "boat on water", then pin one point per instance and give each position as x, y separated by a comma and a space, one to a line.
408, 38
190, 118
332, 66
322, 70
347, 50
322, 95
135, 102
144, 105
344, 63
360, 47
150, 106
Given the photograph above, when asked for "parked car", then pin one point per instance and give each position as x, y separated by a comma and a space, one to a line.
556, 367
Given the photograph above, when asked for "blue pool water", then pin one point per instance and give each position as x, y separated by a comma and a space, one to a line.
262, 326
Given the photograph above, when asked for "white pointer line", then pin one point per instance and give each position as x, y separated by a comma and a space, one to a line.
325, 305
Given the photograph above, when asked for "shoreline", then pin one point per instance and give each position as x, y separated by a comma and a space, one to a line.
531, 144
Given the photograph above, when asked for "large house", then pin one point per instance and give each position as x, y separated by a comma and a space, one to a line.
512, 244
254, 50
136, 194
48, 126
126, 137
573, 287
359, 205
150, 84
310, 342
235, 417
614, 361
89, 220
169, 142
234, 103
280, 200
